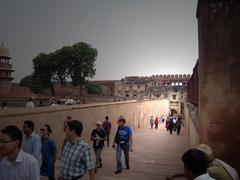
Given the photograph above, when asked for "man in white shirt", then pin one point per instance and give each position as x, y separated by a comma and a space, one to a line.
30, 104
16, 164
31, 141
195, 165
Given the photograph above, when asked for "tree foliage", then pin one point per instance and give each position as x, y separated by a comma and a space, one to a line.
27, 81
83, 63
94, 89
75, 63
44, 71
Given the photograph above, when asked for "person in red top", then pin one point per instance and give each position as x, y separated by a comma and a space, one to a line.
107, 126
156, 123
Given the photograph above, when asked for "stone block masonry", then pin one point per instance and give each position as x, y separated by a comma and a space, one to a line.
137, 114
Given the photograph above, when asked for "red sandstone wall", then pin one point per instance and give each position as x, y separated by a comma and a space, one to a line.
12, 91
219, 77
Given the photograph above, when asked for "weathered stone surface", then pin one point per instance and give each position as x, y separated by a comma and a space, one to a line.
219, 77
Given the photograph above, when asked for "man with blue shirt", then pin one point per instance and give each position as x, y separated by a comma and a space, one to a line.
123, 140
31, 141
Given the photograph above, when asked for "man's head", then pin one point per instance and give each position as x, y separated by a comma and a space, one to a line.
106, 118
28, 127
74, 129
10, 140
195, 163
99, 124
69, 118
121, 121
45, 130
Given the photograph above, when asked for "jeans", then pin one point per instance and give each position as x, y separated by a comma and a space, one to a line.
125, 149
98, 152
178, 130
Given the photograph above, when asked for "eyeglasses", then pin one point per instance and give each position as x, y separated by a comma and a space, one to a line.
2, 143
42, 129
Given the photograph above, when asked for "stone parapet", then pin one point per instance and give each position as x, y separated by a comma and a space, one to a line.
137, 114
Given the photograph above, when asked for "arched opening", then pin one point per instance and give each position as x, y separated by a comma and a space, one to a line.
173, 112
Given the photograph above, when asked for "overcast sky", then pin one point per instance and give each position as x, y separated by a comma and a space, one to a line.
133, 37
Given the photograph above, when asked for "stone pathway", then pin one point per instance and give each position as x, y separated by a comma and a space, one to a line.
155, 155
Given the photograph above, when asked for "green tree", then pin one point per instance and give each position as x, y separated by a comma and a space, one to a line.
63, 61
82, 63
75, 63
94, 89
27, 81
44, 71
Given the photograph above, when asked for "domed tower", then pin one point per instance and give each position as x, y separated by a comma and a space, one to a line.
5, 66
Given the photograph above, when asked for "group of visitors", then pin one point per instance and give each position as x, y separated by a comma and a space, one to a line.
156, 122
65, 101
122, 142
52, 102
174, 123
27, 156
76, 156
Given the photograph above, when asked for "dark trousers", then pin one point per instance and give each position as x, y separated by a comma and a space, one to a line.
178, 130
151, 125
108, 134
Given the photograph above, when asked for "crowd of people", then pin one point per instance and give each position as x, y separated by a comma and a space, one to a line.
56, 101
27, 156
173, 123
52, 102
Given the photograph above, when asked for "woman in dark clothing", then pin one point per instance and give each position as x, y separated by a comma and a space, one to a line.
170, 125
156, 123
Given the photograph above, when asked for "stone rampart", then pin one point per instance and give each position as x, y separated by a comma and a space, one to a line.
137, 114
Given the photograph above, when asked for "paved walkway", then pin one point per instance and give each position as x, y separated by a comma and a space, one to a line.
156, 155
